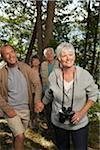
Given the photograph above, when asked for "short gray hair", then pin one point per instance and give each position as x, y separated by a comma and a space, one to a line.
66, 46
47, 49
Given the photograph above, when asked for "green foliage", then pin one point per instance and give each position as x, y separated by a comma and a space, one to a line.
18, 18
94, 112
53, 44
94, 133
17, 23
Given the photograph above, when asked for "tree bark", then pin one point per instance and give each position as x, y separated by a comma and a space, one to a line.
37, 32
97, 75
95, 42
29, 52
39, 28
49, 22
87, 36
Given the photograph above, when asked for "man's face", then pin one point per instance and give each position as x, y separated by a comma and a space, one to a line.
49, 55
9, 55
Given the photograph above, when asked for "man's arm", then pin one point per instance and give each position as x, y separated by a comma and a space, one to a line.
6, 108
38, 105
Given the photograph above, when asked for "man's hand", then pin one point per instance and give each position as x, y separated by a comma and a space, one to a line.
11, 114
39, 106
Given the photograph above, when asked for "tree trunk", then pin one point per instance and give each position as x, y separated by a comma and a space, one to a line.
29, 52
39, 28
36, 32
87, 36
95, 42
49, 22
97, 70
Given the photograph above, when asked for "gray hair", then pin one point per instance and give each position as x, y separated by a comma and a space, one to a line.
66, 46
47, 49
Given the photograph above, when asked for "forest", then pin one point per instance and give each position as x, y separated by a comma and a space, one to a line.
32, 25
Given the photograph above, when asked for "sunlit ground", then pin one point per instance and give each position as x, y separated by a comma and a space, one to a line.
42, 140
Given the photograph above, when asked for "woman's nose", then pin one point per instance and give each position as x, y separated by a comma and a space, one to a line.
67, 57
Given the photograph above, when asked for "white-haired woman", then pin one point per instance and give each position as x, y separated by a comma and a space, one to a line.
73, 91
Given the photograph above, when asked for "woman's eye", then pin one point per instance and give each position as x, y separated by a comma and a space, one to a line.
70, 54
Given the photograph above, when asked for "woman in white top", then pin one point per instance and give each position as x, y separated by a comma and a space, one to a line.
73, 92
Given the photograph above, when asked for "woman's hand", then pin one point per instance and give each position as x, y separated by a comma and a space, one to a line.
77, 117
39, 106
79, 114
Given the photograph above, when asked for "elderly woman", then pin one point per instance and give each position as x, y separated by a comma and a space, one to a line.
74, 92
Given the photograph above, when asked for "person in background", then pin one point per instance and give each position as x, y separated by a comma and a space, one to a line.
47, 66
35, 65
16, 80
73, 92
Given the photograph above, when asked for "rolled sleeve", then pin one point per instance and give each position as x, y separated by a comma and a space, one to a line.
92, 90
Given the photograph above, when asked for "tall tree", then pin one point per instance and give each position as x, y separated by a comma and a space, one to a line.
49, 22
32, 41
87, 36
39, 28
97, 17
37, 32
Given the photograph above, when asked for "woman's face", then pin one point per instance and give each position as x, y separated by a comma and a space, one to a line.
67, 58
35, 62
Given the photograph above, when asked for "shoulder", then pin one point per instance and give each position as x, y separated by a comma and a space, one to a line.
4, 68
2, 72
83, 73
23, 64
44, 66
81, 70
44, 63
25, 68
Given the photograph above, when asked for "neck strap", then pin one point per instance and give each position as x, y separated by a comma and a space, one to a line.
64, 90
